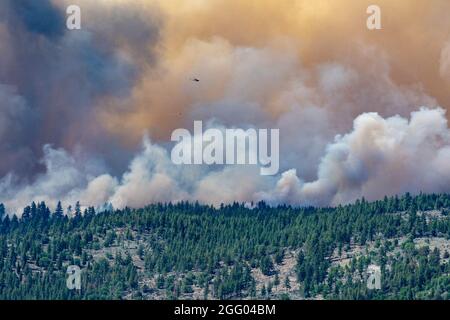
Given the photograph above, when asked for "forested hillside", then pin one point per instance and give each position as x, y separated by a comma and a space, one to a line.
190, 251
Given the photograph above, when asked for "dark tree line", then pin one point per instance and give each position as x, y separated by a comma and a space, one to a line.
185, 246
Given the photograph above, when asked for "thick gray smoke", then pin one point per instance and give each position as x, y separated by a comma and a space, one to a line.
51, 79
378, 157
75, 106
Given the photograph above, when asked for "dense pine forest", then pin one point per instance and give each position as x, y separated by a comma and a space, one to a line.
191, 251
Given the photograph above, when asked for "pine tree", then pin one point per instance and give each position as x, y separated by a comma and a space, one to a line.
77, 209
2, 211
59, 212
287, 283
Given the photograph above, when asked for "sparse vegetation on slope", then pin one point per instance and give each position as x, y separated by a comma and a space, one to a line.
189, 251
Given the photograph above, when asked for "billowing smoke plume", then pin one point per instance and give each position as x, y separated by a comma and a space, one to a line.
75, 105
51, 79
379, 157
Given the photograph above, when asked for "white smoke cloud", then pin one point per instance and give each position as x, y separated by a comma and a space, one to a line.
150, 179
379, 157
310, 86
267, 88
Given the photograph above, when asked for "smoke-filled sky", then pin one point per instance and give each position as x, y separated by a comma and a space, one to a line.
87, 114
